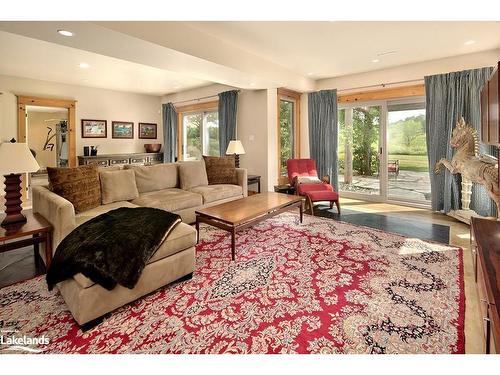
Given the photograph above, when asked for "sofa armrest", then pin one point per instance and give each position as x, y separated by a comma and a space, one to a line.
56, 210
242, 174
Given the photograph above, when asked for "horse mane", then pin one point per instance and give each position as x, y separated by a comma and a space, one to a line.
473, 132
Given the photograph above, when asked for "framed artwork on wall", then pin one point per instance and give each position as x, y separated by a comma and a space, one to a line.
122, 129
94, 128
147, 130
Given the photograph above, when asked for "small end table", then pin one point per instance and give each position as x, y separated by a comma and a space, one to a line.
254, 179
34, 231
284, 189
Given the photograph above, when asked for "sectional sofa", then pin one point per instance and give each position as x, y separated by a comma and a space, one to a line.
181, 188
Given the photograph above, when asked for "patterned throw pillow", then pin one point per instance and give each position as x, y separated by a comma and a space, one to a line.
221, 170
78, 185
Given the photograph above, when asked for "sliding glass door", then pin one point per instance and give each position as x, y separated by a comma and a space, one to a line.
407, 161
359, 150
382, 151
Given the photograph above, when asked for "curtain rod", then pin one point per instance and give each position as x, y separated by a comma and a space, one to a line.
381, 84
198, 99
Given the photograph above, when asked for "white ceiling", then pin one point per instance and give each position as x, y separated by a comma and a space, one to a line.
32, 58
330, 49
163, 57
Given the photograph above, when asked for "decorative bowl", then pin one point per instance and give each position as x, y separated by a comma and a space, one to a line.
152, 147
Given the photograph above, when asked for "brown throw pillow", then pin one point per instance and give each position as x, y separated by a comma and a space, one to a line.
221, 170
78, 185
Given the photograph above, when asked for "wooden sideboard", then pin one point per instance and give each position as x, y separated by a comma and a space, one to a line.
120, 159
485, 247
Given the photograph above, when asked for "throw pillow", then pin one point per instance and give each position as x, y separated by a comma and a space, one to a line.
221, 170
79, 185
308, 180
118, 186
192, 174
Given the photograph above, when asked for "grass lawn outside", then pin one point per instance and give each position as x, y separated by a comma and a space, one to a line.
416, 163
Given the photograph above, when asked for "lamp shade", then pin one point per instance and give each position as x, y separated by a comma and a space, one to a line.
235, 147
16, 158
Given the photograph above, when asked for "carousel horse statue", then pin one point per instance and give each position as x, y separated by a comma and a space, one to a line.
479, 168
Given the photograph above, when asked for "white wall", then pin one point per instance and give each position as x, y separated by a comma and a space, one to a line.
92, 103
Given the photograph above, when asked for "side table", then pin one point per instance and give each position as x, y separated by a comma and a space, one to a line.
34, 231
284, 189
254, 179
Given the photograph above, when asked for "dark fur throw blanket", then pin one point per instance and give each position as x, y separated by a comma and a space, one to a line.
112, 248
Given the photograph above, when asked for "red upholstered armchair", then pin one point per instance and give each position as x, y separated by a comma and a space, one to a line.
303, 176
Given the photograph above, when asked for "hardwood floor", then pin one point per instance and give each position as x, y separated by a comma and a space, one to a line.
458, 235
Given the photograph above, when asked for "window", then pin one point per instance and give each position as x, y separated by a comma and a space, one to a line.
288, 129
198, 131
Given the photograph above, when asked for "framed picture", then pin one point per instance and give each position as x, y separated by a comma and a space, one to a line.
122, 130
147, 130
94, 129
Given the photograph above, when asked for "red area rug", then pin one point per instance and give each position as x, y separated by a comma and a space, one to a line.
318, 287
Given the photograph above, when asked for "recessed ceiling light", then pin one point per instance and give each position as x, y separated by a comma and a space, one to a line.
469, 42
84, 65
310, 74
375, 60
385, 53
65, 32
252, 83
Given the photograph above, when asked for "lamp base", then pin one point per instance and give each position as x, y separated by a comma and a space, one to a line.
237, 160
13, 200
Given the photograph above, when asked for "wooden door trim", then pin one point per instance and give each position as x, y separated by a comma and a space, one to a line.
383, 94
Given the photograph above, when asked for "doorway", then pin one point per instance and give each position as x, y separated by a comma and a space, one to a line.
48, 127
382, 152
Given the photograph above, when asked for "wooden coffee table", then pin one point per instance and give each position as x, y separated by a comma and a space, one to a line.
242, 213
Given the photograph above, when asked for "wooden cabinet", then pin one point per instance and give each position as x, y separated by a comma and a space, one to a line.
490, 110
485, 246
120, 159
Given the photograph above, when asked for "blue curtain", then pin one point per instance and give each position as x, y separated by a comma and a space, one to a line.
228, 108
449, 97
323, 133
169, 133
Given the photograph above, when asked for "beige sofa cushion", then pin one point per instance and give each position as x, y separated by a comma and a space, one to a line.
155, 177
118, 186
182, 237
213, 193
169, 199
82, 217
192, 174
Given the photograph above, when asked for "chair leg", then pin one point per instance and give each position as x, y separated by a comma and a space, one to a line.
331, 205
311, 206
337, 203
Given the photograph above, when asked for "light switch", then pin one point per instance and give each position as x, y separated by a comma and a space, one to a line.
251, 138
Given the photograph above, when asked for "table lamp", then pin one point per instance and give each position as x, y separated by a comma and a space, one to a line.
15, 159
236, 148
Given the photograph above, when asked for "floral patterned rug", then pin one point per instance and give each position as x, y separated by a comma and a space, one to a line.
319, 287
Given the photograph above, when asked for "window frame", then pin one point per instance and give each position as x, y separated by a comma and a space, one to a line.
290, 96
189, 109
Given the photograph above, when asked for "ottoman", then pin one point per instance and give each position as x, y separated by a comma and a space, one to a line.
322, 196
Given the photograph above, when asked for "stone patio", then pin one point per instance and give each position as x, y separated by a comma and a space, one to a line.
408, 185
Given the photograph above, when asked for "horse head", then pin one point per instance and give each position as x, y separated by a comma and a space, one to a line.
464, 136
